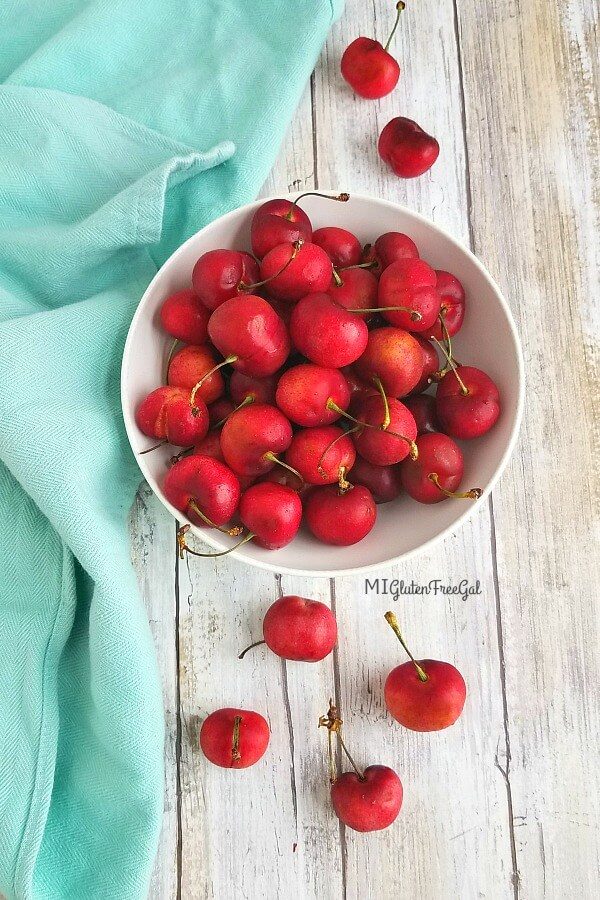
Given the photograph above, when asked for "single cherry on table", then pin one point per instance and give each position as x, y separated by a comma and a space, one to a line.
298, 629
234, 738
368, 67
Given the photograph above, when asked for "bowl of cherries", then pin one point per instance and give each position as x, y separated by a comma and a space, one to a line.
321, 384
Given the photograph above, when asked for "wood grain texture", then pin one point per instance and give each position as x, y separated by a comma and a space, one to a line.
506, 803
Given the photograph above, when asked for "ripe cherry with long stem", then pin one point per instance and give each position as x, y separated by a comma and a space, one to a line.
304, 391
368, 67
467, 402
271, 513
364, 800
452, 309
298, 629
205, 490
252, 438
282, 221
292, 271
319, 454
410, 284
197, 365
391, 432
220, 274
437, 472
425, 694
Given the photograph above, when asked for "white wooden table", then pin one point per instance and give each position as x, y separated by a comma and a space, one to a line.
506, 803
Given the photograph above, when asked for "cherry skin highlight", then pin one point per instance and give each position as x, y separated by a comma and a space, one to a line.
272, 513
410, 283
377, 445
425, 705
342, 247
219, 274
340, 517
292, 278
319, 454
167, 415
408, 150
242, 386
278, 222
357, 290
453, 304
422, 406
299, 629
189, 365
467, 416
252, 435
204, 483
326, 333
234, 738
383, 481
369, 803
303, 391
394, 356
248, 328
184, 316
439, 455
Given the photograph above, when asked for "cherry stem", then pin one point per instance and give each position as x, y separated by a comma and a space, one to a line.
333, 723
372, 264
271, 456
415, 315
342, 198
473, 494
414, 450
170, 359
399, 6
245, 402
235, 744
250, 647
182, 545
336, 277
463, 388
150, 449
297, 245
328, 448
343, 484
196, 388
391, 619
232, 532
386, 406
180, 455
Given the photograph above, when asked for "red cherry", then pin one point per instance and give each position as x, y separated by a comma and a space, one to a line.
394, 356
219, 275
210, 445
381, 445
407, 149
234, 738
304, 391
340, 517
184, 316
272, 513
202, 483
326, 333
189, 366
392, 246
342, 247
248, 329
166, 414
299, 629
319, 453
252, 436
355, 289
241, 387
367, 66
425, 694
422, 406
437, 472
383, 481
290, 276
278, 222
467, 403
219, 410
370, 802
453, 304
431, 364
410, 283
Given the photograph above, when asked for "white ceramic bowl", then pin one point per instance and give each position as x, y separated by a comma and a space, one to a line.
488, 339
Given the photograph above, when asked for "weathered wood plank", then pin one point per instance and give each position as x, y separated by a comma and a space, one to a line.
532, 126
152, 533
453, 837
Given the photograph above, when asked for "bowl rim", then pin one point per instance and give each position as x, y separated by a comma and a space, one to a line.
215, 542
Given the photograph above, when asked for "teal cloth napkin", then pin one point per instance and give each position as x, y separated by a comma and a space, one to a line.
124, 127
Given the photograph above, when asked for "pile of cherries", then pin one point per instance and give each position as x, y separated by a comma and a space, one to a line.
299, 391
422, 695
